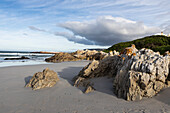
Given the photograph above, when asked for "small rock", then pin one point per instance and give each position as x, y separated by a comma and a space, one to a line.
168, 82
89, 89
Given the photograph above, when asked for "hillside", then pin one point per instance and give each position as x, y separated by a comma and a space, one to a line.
156, 43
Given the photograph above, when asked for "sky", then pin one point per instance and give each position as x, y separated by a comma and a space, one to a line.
68, 25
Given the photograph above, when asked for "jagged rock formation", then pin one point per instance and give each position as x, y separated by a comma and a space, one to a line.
112, 53
47, 78
105, 67
97, 56
137, 73
90, 55
142, 74
78, 55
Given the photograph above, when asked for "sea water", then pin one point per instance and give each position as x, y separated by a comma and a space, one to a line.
34, 58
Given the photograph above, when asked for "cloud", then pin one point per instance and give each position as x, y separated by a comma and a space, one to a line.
167, 30
107, 30
74, 38
37, 29
165, 27
69, 36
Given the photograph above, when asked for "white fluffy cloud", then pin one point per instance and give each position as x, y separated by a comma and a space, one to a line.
106, 30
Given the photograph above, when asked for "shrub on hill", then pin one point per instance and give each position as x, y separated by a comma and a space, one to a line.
156, 42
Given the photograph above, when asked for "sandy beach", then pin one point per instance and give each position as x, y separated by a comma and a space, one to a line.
64, 97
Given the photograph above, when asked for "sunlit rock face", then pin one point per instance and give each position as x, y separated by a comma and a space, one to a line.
136, 73
142, 74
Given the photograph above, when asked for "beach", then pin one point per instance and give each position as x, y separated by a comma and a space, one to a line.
64, 97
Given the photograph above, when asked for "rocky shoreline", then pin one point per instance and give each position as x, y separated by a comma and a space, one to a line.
21, 58
136, 73
79, 55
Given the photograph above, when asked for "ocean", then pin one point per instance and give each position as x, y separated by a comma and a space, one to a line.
34, 58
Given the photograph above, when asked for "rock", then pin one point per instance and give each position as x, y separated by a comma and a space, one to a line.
78, 81
93, 55
115, 53
89, 89
86, 72
158, 85
47, 78
97, 56
106, 67
130, 50
168, 83
110, 53
166, 53
78, 55
60, 57
21, 58
136, 73
142, 75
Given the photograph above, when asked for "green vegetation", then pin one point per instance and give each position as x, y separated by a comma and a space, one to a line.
156, 43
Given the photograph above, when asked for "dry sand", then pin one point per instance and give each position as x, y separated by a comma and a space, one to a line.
64, 98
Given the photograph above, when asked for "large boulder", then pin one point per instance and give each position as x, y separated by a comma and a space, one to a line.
47, 78
105, 67
142, 74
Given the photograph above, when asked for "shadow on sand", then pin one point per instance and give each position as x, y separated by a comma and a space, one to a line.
27, 79
164, 96
69, 73
101, 84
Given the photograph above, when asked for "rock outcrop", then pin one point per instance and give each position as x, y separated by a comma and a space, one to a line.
90, 55
60, 57
137, 73
21, 58
105, 67
141, 74
98, 56
47, 78
78, 55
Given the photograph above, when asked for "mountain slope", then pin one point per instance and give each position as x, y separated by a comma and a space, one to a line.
156, 43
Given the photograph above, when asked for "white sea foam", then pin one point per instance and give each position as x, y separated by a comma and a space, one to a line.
34, 58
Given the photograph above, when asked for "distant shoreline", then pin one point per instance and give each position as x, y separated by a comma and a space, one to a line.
45, 52
15, 58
